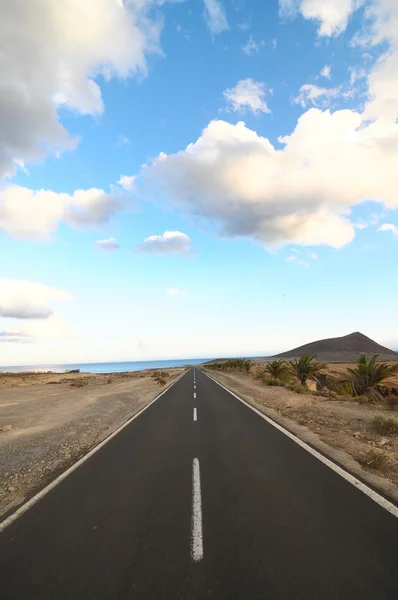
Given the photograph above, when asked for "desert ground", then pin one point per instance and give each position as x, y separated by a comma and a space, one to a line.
48, 421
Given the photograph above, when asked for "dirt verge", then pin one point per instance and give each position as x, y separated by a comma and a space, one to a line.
47, 428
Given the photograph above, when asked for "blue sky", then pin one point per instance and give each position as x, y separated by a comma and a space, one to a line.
197, 177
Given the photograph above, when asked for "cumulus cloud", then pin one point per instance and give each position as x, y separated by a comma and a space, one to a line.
318, 96
36, 214
170, 242
252, 47
332, 15
54, 327
108, 245
380, 24
126, 182
301, 193
247, 95
215, 16
14, 338
28, 300
326, 72
52, 53
389, 227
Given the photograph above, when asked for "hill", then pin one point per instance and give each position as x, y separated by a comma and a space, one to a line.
340, 349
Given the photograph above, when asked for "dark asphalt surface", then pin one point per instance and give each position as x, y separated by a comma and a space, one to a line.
277, 523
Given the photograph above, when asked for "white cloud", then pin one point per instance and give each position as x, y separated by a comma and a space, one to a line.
122, 140
170, 242
361, 225
298, 261
252, 47
108, 245
326, 72
274, 43
28, 300
176, 292
51, 328
302, 193
313, 255
318, 96
36, 214
389, 227
247, 94
332, 15
126, 182
52, 52
215, 16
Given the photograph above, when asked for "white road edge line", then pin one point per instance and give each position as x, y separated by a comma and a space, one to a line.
197, 532
195, 414
25, 507
380, 500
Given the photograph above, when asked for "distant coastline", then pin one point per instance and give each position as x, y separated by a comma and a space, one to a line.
105, 367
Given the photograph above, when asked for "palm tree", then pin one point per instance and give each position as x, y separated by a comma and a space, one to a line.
277, 368
305, 367
247, 365
369, 373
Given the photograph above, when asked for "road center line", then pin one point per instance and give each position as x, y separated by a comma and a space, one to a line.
194, 394
197, 532
195, 414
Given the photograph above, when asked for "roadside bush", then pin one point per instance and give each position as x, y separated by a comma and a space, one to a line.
373, 459
385, 425
364, 399
391, 401
343, 388
274, 381
79, 383
298, 388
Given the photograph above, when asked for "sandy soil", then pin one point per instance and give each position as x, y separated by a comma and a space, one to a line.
342, 430
52, 426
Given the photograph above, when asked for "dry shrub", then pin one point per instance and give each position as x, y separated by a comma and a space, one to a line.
385, 425
298, 388
364, 399
391, 401
79, 383
274, 381
373, 459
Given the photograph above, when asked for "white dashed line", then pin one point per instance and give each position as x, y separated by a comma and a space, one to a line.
197, 532
195, 414
194, 394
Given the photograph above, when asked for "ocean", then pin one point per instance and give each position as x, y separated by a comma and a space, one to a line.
109, 367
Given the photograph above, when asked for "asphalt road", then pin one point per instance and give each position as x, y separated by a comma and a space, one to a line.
222, 507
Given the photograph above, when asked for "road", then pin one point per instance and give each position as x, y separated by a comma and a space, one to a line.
201, 504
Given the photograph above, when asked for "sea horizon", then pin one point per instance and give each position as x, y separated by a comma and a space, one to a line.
105, 367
